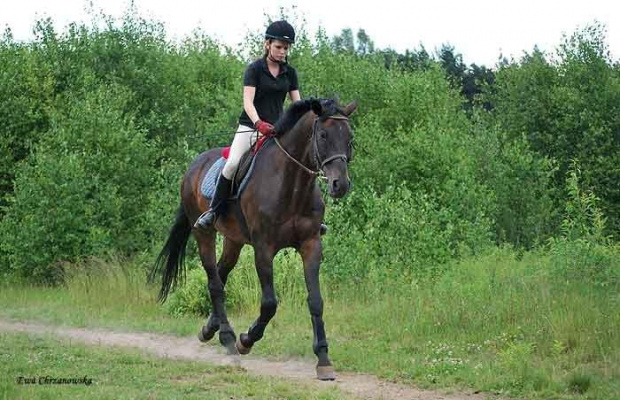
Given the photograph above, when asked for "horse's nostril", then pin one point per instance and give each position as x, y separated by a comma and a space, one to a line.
335, 185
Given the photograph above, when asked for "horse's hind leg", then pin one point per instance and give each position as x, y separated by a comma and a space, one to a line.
229, 258
227, 262
263, 257
206, 248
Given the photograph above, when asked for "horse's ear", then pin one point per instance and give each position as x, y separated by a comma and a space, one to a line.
317, 108
348, 110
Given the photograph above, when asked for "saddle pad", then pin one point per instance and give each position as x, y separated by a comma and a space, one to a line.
209, 182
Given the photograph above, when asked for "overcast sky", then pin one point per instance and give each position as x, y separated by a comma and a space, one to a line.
478, 29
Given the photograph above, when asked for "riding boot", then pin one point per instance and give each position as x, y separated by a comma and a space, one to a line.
218, 204
323, 229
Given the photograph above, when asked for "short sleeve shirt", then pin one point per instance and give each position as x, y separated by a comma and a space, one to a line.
270, 91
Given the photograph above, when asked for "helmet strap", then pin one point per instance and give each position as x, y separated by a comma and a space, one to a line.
273, 59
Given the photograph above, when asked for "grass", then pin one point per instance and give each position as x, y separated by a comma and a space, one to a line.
496, 323
102, 373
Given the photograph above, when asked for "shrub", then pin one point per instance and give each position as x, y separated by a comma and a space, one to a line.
583, 252
85, 189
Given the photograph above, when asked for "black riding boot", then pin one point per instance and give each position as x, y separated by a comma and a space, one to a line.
218, 204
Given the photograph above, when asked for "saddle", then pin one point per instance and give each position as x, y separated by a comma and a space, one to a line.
242, 174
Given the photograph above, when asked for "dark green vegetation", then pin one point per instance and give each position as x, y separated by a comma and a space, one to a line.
483, 221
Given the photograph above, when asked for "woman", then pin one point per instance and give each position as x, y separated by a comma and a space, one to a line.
265, 85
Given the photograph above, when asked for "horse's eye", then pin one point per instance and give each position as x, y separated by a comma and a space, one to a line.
323, 135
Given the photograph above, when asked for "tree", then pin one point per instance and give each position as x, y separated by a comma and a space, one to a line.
475, 80
364, 44
452, 63
568, 110
344, 42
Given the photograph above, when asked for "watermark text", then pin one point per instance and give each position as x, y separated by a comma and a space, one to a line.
51, 380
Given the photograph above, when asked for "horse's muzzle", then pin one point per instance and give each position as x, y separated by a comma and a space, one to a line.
338, 188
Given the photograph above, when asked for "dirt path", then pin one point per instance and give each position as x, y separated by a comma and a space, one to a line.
360, 385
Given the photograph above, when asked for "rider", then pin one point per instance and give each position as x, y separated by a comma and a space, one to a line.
265, 85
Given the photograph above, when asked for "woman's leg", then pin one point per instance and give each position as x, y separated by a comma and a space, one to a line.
244, 139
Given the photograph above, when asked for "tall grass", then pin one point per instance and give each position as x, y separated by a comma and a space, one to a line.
243, 291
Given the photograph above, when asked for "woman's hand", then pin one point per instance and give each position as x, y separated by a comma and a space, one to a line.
264, 127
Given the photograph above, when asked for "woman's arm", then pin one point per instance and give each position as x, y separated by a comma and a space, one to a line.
248, 103
294, 95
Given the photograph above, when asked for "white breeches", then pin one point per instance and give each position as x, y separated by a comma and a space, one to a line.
244, 139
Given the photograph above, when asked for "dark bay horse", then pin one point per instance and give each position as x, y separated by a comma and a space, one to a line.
281, 207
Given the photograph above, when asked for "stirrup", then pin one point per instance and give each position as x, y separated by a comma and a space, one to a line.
206, 220
323, 229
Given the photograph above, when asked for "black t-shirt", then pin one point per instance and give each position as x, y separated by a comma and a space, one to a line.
270, 91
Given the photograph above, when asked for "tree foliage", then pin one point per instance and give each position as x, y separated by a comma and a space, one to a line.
567, 107
100, 121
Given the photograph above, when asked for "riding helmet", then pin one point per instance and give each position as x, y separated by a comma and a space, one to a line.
281, 30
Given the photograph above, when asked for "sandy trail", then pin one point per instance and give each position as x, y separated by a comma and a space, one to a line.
361, 386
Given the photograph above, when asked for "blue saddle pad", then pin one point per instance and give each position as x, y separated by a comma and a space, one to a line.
209, 182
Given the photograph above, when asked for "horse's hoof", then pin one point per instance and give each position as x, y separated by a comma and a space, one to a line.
241, 348
326, 373
205, 337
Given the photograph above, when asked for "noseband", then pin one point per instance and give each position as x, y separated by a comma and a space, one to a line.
315, 145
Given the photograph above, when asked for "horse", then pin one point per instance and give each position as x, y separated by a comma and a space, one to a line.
280, 207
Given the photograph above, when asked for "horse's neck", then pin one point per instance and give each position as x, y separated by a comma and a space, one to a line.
298, 143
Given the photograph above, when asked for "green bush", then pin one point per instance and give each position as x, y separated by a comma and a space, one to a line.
583, 252
84, 191
521, 181
27, 92
396, 235
415, 175
192, 297
100, 122
567, 108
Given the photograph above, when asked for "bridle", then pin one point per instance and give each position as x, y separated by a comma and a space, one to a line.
315, 147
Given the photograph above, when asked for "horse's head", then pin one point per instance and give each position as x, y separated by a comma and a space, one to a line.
332, 141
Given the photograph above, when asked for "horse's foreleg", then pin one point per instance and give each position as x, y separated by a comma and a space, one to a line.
311, 252
264, 267
227, 262
206, 248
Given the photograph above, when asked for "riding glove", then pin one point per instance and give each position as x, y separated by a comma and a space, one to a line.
264, 127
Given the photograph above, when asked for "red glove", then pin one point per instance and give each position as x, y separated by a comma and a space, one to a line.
264, 127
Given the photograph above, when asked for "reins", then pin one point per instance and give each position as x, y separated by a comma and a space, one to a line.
308, 170
321, 163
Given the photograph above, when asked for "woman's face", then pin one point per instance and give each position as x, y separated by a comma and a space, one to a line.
278, 49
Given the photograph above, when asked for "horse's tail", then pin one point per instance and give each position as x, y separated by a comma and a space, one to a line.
173, 255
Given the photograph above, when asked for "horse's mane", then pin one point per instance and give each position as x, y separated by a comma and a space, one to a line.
321, 107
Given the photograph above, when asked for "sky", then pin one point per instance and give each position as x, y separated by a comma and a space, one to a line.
480, 30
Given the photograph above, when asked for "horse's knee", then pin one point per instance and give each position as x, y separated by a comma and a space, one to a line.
268, 306
223, 269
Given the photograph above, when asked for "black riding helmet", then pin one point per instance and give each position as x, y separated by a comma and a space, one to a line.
281, 30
